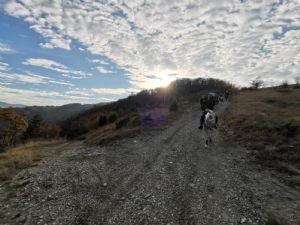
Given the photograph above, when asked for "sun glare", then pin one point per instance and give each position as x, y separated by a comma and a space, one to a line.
163, 81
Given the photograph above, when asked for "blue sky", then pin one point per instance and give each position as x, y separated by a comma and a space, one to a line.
57, 52
95, 71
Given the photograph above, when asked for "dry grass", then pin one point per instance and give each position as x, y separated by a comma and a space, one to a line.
268, 119
111, 132
106, 134
21, 157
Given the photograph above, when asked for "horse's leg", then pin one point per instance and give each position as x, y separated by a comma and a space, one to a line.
206, 137
211, 136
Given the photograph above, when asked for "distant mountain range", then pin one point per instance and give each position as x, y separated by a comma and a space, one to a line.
50, 113
54, 113
7, 105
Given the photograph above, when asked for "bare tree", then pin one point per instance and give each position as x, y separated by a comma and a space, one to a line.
257, 83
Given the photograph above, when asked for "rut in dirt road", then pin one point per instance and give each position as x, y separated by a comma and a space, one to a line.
166, 178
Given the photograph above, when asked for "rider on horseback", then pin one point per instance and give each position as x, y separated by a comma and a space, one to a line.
207, 103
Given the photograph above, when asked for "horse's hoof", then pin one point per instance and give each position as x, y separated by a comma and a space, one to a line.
206, 146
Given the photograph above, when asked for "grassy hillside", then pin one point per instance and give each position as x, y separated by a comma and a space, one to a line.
268, 122
148, 108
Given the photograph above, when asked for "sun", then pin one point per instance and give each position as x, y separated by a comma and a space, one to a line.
163, 81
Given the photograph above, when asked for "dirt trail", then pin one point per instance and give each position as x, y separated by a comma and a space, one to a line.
162, 178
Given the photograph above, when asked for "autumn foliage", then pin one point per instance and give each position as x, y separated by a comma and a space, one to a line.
12, 126
49, 130
15, 128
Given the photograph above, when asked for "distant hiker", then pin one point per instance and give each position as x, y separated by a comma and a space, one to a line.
226, 95
221, 99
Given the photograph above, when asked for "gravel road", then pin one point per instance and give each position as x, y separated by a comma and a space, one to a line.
164, 177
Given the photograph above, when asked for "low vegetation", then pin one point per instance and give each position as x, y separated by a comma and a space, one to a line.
173, 106
112, 118
122, 122
22, 156
102, 121
268, 122
122, 127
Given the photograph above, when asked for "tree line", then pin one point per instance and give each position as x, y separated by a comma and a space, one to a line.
15, 128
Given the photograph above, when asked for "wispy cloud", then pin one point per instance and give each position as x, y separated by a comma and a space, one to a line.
56, 66
8, 77
102, 69
38, 97
233, 40
74, 94
5, 48
4, 66
102, 62
42, 97
111, 91
98, 92
101, 94
57, 42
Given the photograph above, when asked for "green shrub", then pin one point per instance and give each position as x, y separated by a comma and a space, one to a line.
112, 118
122, 123
173, 106
34, 127
102, 121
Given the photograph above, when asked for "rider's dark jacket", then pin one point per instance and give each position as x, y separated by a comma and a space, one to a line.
207, 103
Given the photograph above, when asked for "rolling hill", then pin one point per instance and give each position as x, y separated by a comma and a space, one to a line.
53, 113
7, 105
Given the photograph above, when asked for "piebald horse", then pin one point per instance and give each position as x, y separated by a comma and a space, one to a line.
210, 123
